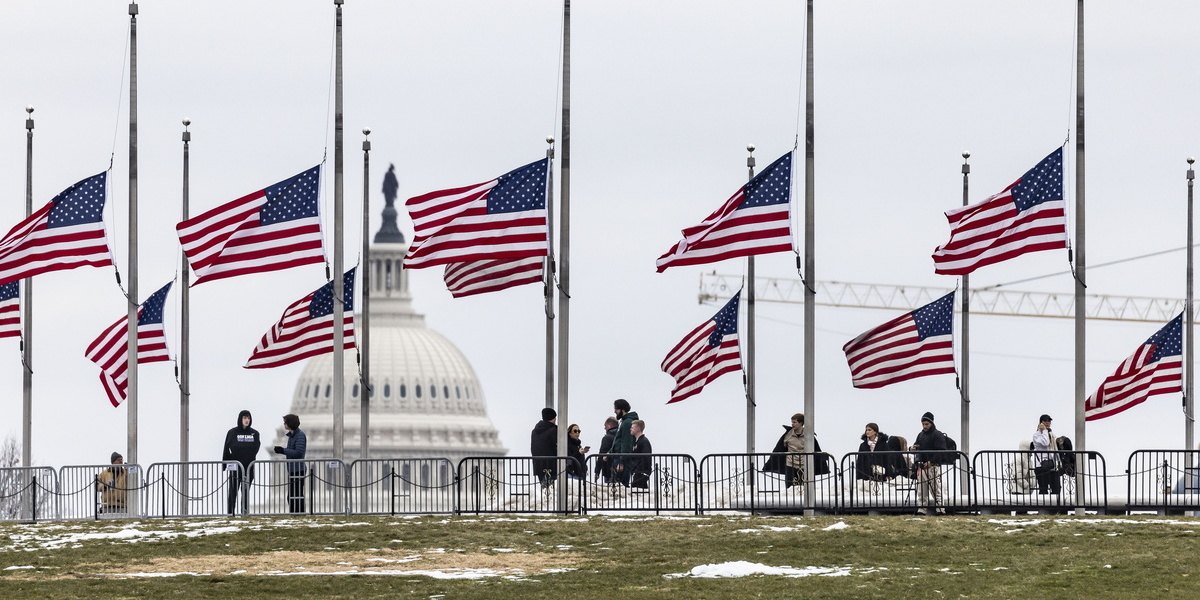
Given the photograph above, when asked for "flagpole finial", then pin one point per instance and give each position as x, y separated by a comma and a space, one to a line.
366, 142
550, 140
29, 109
1190, 159
966, 155
749, 147
186, 122
366, 131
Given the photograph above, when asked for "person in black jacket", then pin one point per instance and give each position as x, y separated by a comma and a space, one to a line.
877, 467
640, 466
576, 467
543, 441
241, 445
294, 453
930, 447
603, 466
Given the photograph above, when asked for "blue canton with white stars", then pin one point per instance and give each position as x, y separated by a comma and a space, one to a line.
772, 186
519, 190
152, 309
726, 320
322, 302
79, 204
1042, 183
292, 198
1169, 340
935, 318
9, 291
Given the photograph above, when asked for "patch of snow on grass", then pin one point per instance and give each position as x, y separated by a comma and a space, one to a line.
743, 568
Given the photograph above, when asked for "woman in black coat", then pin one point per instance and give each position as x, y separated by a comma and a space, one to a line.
877, 467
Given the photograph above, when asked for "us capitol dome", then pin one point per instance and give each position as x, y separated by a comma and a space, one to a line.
426, 401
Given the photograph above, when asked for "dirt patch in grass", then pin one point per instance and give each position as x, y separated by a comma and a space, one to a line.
387, 561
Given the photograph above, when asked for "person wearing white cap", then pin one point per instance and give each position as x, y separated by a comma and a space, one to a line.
1046, 467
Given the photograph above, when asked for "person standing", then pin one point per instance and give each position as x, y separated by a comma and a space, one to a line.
111, 484
793, 445
241, 445
297, 446
640, 465
603, 467
543, 442
1045, 465
623, 440
930, 446
576, 467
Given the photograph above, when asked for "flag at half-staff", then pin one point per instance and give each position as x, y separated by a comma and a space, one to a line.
64, 234
708, 352
275, 228
10, 310
110, 350
915, 344
504, 219
755, 220
306, 328
1156, 367
482, 276
1028, 216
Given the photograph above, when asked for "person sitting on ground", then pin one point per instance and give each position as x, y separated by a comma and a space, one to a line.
111, 484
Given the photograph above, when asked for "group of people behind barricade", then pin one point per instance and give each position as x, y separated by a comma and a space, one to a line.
241, 446
624, 455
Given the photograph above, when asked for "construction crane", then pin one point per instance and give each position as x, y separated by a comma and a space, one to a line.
715, 286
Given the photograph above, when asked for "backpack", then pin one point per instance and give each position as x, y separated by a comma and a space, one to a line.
950, 456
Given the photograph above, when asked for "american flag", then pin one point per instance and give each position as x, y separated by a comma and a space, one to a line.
1028, 216
916, 344
306, 328
482, 276
709, 351
504, 218
110, 351
64, 234
10, 310
272, 229
1156, 367
755, 220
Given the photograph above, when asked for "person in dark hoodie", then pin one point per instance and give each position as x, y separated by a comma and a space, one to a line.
877, 467
602, 465
543, 441
930, 445
241, 445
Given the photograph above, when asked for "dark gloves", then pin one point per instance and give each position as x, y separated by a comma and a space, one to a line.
278, 449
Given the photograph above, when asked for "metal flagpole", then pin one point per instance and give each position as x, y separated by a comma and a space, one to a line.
27, 334
363, 334
548, 275
564, 295
185, 318
339, 355
810, 294
964, 389
1080, 268
750, 399
1189, 404
131, 404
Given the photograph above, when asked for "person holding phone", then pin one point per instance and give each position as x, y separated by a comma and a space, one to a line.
1044, 458
577, 451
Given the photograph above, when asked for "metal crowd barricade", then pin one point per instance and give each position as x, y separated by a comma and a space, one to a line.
308, 486
101, 492
764, 482
1024, 481
884, 482
1164, 480
645, 482
27, 493
195, 489
516, 484
403, 486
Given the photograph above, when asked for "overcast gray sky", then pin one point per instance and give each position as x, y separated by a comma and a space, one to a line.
666, 95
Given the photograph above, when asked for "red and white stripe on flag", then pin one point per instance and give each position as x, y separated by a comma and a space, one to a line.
915, 344
306, 328
479, 277
110, 351
1156, 367
706, 353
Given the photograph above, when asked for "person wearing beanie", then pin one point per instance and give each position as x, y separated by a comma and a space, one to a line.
1045, 465
241, 445
543, 441
111, 484
930, 444
623, 440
